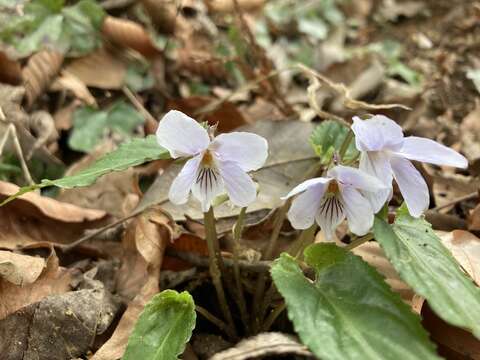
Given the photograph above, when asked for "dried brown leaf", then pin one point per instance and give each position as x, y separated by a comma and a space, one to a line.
129, 34
102, 61
228, 6
52, 280
10, 70
70, 82
20, 269
39, 72
33, 218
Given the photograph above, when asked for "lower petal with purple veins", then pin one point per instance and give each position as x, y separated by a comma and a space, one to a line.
330, 214
208, 185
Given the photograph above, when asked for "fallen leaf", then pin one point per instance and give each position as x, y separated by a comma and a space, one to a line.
68, 81
469, 130
53, 280
474, 219
20, 269
465, 248
110, 65
34, 218
58, 327
264, 344
290, 159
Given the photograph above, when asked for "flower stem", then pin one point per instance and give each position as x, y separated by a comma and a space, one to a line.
357, 242
273, 316
346, 144
216, 259
237, 235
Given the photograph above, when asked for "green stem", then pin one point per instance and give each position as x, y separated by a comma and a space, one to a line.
346, 144
237, 235
216, 259
357, 242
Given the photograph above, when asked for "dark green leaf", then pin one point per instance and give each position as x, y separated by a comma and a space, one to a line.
328, 138
124, 118
428, 267
348, 312
132, 153
163, 328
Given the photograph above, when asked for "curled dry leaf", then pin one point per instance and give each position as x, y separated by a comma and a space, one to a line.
70, 82
10, 70
469, 136
474, 219
129, 34
465, 248
43, 126
202, 64
228, 6
39, 72
144, 244
162, 13
102, 61
52, 280
33, 218
264, 344
20, 269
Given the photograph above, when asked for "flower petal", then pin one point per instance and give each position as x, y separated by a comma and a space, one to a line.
429, 151
412, 185
208, 185
354, 177
358, 210
248, 150
305, 206
377, 133
181, 135
182, 184
306, 185
239, 185
330, 215
377, 163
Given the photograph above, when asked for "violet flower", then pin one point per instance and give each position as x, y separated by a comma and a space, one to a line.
216, 165
330, 199
385, 153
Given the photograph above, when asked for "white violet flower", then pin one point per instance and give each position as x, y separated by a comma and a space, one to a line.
217, 165
386, 154
330, 199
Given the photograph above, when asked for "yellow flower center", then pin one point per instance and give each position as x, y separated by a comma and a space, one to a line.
207, 160
332, 187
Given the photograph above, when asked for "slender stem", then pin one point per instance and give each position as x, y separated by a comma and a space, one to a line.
212, 318
346, 144
215, 259
357, 242
273, 316
305, 238
237, 235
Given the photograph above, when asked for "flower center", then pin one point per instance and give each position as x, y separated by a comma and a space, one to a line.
207, 160
333, 187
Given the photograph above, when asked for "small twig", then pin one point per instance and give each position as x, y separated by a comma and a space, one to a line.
139, 106
273, 316
212, 318
470, 196
360, 241
215, 261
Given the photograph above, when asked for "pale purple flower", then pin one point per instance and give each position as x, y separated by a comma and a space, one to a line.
216, 165
385, 153
330, 199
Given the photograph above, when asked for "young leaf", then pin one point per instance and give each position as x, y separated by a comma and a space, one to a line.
349, 312
89, 124
328, 137
132, 153
428, 267
163, 328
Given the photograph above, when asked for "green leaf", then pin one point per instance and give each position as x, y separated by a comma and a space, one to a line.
47, 23
132, 153
89, 124
428, 267
328, 138
348, 312
163, 328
